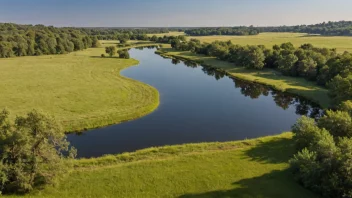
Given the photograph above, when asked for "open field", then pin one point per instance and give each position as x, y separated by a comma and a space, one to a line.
341, 43
168, 34
251, 168
270, 77
80, 89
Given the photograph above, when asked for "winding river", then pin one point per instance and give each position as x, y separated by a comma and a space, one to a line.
197, 104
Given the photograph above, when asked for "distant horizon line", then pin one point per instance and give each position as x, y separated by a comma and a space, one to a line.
225, 26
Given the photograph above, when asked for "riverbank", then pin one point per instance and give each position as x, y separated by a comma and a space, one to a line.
81, 89
249, 168
272, 78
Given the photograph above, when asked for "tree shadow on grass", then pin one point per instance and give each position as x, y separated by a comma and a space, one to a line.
278, 150
274, 184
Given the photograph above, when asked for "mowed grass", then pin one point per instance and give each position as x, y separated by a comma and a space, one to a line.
251, 168
341, 43
81, 90
275, 79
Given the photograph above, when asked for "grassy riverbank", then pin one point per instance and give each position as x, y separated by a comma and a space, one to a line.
251, 168
80, 89
268, 77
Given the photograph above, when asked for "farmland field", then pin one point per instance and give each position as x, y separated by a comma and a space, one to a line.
341, 43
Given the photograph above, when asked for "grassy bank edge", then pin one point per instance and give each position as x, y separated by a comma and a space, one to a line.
311, 92
172, 151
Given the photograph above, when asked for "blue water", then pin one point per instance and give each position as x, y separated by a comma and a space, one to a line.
196, 105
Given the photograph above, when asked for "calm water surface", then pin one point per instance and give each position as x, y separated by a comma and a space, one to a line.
196, 105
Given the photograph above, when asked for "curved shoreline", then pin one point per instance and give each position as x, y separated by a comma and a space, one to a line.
322, 99
93, 123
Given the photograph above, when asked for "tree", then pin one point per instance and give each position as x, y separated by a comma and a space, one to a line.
340, 89
254, 57
339, 123
286, 63
123, 54
307, 68
111, 50
31, 152
95, 42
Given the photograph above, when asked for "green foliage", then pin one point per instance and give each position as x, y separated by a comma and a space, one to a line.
111, 50
31, 152
28, 40
340, 88
222, 31
123, 54
305, 131
286, 63
346, 106
324, 161
339, 123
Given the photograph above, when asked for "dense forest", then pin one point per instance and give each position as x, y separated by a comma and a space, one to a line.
322, 65
222, 31
28, 40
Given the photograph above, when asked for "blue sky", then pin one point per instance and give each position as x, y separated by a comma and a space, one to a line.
167, 13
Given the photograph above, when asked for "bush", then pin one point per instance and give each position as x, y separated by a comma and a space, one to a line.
103, 55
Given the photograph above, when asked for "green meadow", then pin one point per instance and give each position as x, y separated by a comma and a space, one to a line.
80, 89
250, 168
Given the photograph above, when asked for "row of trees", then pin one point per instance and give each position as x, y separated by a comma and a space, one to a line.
28, 40
222, 31
340, 28
322, 65
111, 50
324, 159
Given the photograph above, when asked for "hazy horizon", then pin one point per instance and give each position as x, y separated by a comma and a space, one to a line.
167, 13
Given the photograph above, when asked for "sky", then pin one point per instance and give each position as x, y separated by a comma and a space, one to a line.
173, 13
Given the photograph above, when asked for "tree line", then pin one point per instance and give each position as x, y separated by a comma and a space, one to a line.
324, 66
240, 31
28, 40
339, 28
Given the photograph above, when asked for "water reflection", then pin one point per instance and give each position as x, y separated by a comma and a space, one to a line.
146, 47
255, 90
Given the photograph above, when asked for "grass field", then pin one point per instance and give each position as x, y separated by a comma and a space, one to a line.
168, 34
251, 168
80, 89
341, 43
294, 85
